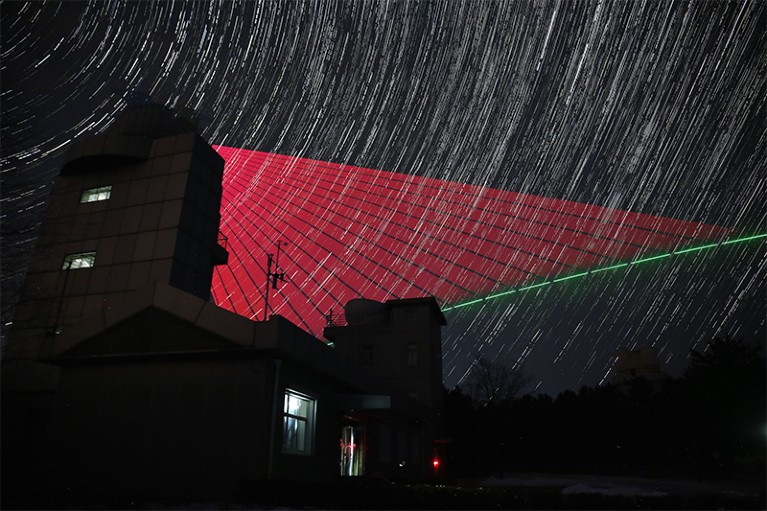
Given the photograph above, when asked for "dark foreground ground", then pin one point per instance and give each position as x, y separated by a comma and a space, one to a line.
370, 496
520, 491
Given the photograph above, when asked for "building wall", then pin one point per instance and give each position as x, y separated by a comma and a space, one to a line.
401, 340
159, 224
323, 463
384, 345
192, 428
153, 429
397, 448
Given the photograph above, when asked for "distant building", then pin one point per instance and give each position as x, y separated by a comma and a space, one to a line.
122, 380
638, 363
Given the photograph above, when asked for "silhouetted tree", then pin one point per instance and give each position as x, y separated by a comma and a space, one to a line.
709, 423
495, 382
724, 359
725, 397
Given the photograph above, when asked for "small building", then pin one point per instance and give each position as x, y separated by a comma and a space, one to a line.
637, 363
165, 394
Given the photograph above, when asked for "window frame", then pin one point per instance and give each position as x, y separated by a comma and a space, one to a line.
366, 355
98, 194
295, 443
412, 354
81, 259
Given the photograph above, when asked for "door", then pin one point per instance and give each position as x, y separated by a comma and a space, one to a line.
352, 451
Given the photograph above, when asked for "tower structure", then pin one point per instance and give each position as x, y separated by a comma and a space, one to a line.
135, 205
400, 339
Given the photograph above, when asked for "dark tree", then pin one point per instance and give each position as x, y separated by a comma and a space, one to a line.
495, 382
723, 360
725, 396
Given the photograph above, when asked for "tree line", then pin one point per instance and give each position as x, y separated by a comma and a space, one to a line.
709, 423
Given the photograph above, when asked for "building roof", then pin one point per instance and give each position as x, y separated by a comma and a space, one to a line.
161, 321
428, 300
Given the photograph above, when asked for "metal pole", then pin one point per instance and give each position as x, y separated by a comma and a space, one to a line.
268, 278
275, 398
273, 276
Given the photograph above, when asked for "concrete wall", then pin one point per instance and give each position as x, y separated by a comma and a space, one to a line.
182, 428
160, 224
388, 339
323, 463
156, 429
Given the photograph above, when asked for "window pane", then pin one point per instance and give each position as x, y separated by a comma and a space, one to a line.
289, 437
298, 423
295, 435
96, 194
295, 405
81, 260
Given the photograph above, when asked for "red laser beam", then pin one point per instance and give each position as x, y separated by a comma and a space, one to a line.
359, 232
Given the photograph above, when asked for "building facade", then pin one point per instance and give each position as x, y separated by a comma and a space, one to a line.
401, 339
122, 380
401, 342
138, 204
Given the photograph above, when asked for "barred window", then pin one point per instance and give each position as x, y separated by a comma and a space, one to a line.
80, 260
96, 194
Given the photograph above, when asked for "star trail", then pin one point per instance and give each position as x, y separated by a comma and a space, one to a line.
639, 111
357, 232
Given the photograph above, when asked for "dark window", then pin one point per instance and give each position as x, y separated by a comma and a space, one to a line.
412, 354
366, 355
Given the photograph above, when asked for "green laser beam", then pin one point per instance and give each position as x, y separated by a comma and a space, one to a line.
635, 262
612, 267
653, 258
741, 240
573, 276
695, 249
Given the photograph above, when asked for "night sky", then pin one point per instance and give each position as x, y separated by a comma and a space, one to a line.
653, 108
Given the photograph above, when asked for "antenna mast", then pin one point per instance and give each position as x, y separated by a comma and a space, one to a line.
272, 277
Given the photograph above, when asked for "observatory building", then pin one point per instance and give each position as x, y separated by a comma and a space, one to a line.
121, 378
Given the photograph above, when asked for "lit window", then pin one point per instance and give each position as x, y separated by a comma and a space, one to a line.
96, 194
298, 423
412, 354
81, 260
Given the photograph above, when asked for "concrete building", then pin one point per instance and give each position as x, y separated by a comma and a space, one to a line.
401, 339
138, 204
197, 401
122, 380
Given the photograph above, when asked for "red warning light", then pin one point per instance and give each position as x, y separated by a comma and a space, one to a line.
435, 463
